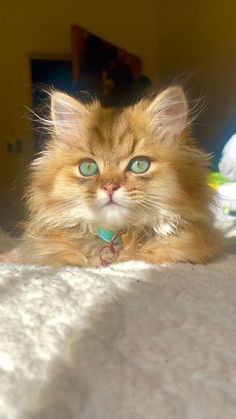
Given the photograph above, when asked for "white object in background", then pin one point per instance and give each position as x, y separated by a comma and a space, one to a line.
227, 194
227, 164
225, 204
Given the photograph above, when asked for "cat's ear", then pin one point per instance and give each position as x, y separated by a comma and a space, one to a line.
168, 112
67, 116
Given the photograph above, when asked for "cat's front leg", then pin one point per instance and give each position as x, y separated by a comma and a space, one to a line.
197, 245
46, 252
67, 259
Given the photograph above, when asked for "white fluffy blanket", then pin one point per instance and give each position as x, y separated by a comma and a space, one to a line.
129, 341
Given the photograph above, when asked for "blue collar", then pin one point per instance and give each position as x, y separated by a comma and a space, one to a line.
106, 235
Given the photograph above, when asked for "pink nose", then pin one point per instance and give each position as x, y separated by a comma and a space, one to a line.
110, 188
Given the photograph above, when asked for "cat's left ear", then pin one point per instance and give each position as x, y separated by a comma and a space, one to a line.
67, 116
168, 112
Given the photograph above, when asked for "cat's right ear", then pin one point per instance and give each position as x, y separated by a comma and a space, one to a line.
67, 116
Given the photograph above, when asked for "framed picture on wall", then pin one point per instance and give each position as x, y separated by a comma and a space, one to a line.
104, 70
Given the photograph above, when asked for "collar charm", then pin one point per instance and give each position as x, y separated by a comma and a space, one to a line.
110, 251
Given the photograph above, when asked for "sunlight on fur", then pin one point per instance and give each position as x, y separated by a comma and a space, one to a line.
135, 168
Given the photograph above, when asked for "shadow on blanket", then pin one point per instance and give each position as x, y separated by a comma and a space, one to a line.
158, 346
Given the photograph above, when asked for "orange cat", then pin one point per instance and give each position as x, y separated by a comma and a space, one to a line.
118, 185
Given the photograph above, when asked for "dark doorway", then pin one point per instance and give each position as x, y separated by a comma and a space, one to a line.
46, 73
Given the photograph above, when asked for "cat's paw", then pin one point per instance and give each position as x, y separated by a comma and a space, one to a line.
127, 256
148, 256
9, 257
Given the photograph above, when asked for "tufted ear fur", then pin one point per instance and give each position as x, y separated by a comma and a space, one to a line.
169, 112
67, 116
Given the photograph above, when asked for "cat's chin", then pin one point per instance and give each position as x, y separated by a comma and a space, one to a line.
112, 216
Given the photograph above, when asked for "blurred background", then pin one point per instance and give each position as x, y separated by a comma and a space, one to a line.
114, 50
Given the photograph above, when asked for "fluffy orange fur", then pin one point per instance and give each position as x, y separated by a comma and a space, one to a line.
166, 210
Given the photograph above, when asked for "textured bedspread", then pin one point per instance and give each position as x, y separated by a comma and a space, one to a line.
129, 341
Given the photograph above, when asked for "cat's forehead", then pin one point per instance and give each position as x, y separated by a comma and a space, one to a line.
113, 135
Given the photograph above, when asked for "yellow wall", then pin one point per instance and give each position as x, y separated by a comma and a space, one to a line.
197, 42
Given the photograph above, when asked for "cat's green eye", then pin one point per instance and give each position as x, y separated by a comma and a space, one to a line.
139, 165
88, 167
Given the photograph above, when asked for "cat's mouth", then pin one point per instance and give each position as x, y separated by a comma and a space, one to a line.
111, 204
